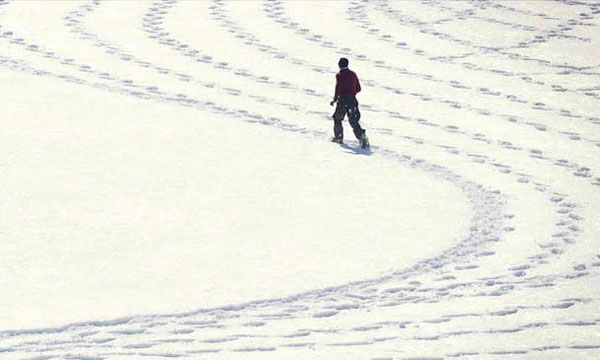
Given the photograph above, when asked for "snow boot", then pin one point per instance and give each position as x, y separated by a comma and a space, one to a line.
364, 141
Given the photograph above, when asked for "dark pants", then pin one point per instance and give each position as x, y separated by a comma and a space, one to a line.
347, 105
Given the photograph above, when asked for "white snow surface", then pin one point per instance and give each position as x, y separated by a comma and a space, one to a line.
169, 190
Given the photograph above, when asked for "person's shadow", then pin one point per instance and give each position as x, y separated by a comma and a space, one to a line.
356, 150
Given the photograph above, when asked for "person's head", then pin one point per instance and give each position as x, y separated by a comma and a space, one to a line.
343, 63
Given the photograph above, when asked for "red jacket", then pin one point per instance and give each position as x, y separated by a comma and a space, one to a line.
346, 83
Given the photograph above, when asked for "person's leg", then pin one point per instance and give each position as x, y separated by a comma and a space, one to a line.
338, 116
354, 118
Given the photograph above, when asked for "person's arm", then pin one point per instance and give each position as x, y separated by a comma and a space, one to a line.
336, 95
357, 85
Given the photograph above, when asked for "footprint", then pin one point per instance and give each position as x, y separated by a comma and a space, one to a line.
325, 314
485, 253
466, 267
583, 172
504, 312
520, 267
254, 349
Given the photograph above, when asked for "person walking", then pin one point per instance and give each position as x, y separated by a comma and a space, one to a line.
346, 88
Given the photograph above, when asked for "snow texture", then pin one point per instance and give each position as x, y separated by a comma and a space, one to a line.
169, 190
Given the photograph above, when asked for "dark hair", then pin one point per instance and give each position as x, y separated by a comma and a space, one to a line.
343, 63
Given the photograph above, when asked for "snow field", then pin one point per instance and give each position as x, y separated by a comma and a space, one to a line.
481, 189
151, 212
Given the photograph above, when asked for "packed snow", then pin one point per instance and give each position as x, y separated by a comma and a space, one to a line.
169, 188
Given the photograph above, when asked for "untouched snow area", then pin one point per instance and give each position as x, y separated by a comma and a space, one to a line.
169, 190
